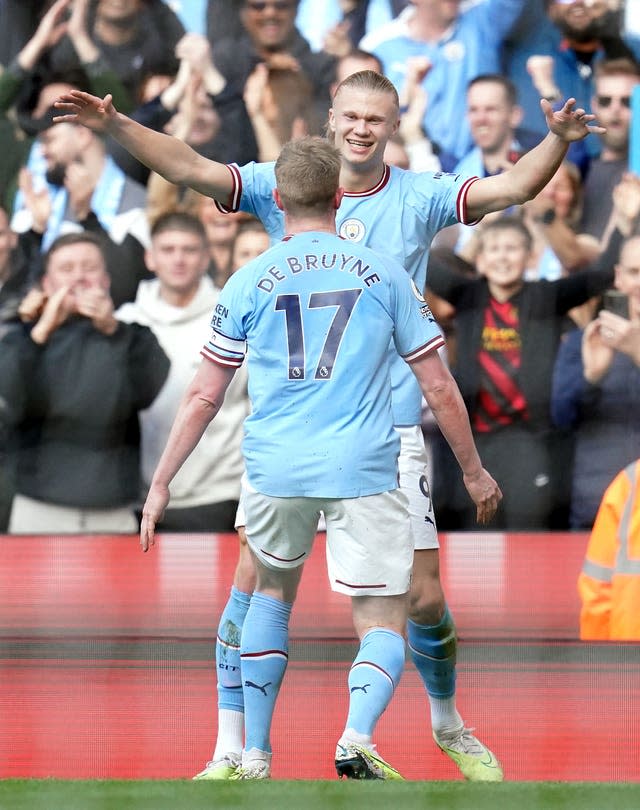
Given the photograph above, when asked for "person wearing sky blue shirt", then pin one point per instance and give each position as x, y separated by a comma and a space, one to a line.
364, 116
460, 44
577, 34
321, 399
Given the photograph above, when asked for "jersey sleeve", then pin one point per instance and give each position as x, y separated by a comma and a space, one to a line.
252, 189
416, 331
444, 196
227, 344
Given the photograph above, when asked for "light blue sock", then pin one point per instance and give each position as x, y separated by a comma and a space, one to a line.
228, 651
374, 675
433, 651
264, 655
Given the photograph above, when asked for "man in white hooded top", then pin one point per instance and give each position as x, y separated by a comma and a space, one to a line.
177, 306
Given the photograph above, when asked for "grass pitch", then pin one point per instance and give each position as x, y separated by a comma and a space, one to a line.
55, 794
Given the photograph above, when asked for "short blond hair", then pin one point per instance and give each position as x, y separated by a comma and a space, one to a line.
370, 81
307, 175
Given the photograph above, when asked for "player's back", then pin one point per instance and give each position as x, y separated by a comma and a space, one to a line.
318, 314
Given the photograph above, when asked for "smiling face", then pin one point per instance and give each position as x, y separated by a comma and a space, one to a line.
269, 23
577, 19
362, 121
492, 117
179, 258
503, 259
612, 107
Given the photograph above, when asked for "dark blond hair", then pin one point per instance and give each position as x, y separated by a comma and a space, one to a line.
307, 176
371, 81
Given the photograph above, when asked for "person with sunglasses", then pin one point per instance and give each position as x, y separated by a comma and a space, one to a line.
615, 80
396, 212
573, 36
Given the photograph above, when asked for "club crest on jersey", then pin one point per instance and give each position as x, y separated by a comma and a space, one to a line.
424, 308
353, 230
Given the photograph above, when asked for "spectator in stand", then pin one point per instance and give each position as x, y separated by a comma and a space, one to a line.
314, 20
221, 230
73, 380
18, 20
508, 331
609, 583
269, 35
494, 119
27, 91
133, 37
596, 388
82, 188
279, 104
199, 106
251, 241
19, 264
460, 44
177, 307
575, 35
615, 81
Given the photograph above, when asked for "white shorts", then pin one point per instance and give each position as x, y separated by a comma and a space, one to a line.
413, 481
369, 549
412, 468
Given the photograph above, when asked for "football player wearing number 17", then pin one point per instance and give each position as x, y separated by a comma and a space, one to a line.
395, 212
320, 438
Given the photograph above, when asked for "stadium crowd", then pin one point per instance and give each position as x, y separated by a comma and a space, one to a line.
110, 273
236, 80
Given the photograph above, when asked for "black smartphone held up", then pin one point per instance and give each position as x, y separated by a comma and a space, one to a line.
616, 302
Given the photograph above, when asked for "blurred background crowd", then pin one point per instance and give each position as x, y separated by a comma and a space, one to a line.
109, 274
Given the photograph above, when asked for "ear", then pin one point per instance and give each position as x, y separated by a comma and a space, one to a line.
517, 114
149, 260
338, 197
331, 122
278, 199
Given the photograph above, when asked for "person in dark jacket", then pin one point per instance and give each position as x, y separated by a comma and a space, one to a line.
72, 381
508, 331
269, 35
596, 391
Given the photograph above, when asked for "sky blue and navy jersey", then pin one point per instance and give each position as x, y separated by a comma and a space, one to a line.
398, 217
315, 315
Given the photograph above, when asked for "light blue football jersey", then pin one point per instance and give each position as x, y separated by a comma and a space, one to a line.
315, 315
398, 217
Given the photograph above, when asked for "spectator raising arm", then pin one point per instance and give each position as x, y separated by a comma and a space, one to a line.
174, 160
533, 171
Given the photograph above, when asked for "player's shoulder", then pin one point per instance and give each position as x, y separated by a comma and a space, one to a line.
255, 171
409, 179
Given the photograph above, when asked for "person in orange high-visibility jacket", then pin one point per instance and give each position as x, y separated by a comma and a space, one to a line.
609, 584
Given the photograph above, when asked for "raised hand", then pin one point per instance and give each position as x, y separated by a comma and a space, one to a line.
78, 107
38, 202
568, 123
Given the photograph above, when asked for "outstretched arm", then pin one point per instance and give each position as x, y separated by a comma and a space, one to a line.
533, 171
201, 402
174, 160
446, 403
